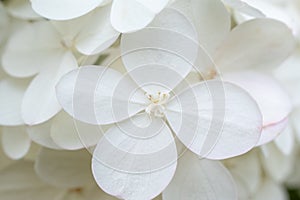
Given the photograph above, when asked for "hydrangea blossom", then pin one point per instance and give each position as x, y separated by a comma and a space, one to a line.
145, 111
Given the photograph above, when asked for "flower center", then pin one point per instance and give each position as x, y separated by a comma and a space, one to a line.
157, 104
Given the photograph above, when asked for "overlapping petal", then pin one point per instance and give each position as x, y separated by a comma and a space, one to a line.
211, 19
132, 15
99, 95
207, 119
255, 44
275, 106
200, 179
135, 159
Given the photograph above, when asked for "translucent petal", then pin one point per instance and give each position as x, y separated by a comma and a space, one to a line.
171, 41
68, 169
136, 159
255, 44
272, 131
56, 9
40, 103
132, 15
211, 19
275, 106
15, 141
207, 118
99, 95
200, 179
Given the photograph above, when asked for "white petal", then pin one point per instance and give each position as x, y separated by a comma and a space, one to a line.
40, 103
136, 159
276, 164
275, 106
15, 141
64, 9
22, 9
98, 95
11, 96
68, 169
285, 141
244, 8
19, 181
170, 40
215, 119
211, 19
71, 134
271, 190
37, 47
272, 131
132, 15
98, 33
256, 44
288, 74
41, 135
201, 180
247, 173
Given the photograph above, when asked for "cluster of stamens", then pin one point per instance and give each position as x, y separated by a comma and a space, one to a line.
157, 104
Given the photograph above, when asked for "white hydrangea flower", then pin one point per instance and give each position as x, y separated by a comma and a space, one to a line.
48, 51
126, 16
137, 157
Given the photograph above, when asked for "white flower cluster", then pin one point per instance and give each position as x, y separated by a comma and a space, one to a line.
149, 99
